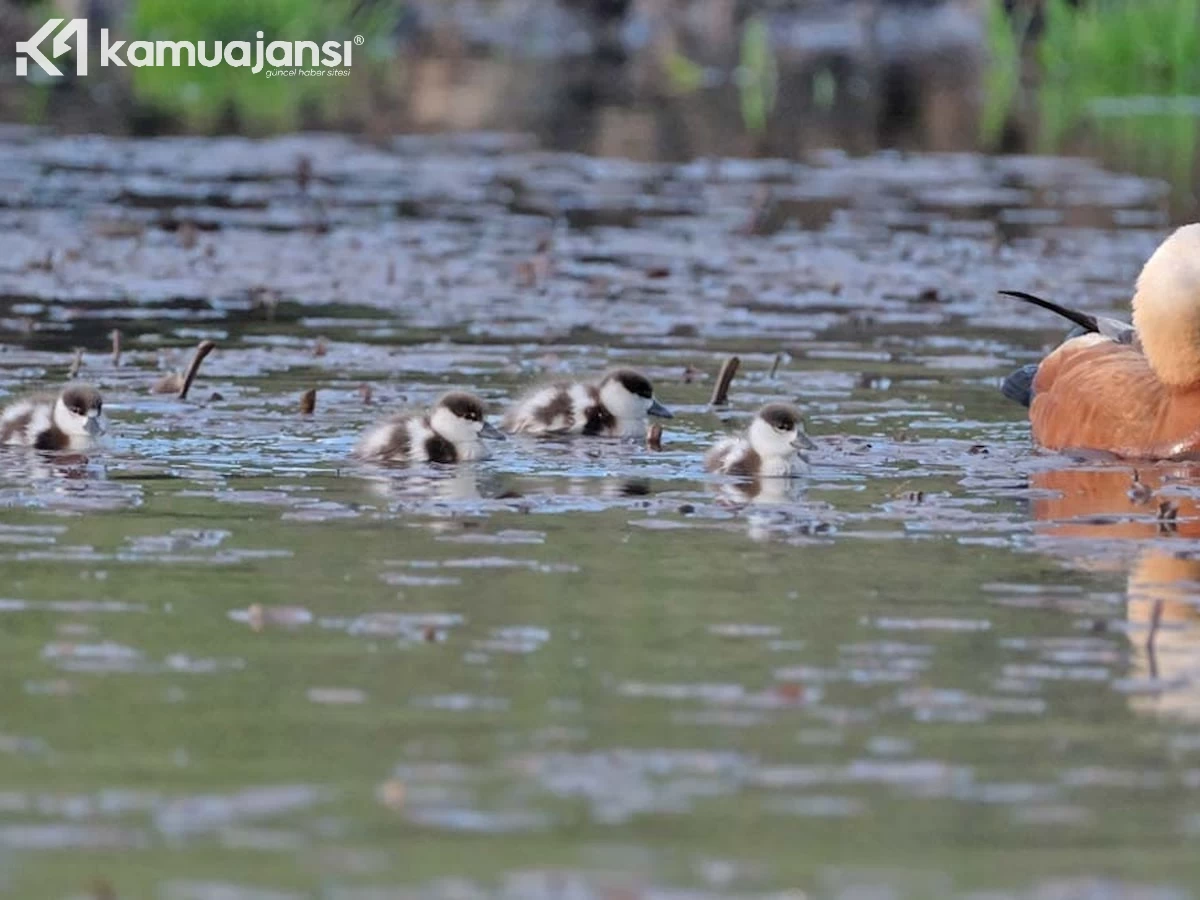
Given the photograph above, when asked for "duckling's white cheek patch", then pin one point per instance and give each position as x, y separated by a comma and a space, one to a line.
454, 428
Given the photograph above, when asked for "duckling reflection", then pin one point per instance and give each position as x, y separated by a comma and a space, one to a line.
758, 491
458, 484
25, 468
626, 487
766, 505
1162, 589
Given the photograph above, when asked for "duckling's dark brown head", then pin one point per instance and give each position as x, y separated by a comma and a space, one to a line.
780, 415
634, 382
78, 409
778, 431
465, 406
628, 395
460, 418
81, 399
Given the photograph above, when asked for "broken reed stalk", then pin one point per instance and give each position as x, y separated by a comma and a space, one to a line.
720, 394
1151, 649
202, 350
304, 171
308, 402
76, 364
116, 346
775, 365
654, 437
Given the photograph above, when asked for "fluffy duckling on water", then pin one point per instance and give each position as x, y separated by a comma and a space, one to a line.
615, 406
772, 447
1133, 391
72, 420
452, 432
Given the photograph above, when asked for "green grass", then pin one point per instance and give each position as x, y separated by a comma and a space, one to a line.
757, 75
1121, 76
1117, 47
1002, 78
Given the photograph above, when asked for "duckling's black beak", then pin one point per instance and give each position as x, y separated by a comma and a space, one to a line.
802, 442
491, 431
657, 409
93, 425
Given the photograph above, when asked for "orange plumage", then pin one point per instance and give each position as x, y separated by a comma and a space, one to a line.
1095, 394
1141, 399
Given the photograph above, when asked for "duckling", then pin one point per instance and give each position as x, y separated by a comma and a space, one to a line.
451, 433
617, 405
772, 447
70, 421
1132, 391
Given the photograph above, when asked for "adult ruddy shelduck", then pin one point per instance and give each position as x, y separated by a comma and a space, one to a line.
1132, 391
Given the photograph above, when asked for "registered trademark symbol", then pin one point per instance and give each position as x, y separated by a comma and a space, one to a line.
359, 40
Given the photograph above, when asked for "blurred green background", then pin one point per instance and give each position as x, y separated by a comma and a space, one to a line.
671, 79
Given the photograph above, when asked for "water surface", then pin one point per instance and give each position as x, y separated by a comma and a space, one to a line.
240, 666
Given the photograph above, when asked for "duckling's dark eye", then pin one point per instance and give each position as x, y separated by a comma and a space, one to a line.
76, 410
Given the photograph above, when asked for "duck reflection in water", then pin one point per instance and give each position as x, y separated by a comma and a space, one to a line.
766, 505
460, 483
1130, 519
758, 491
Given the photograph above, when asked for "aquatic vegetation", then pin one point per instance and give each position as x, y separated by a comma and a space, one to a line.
1002, 78
1122, 75
1117, 47
1129, 71
757, 75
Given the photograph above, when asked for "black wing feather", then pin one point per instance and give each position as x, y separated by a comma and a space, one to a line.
1114, 329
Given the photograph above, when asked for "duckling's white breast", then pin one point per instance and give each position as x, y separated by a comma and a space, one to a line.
781, 466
